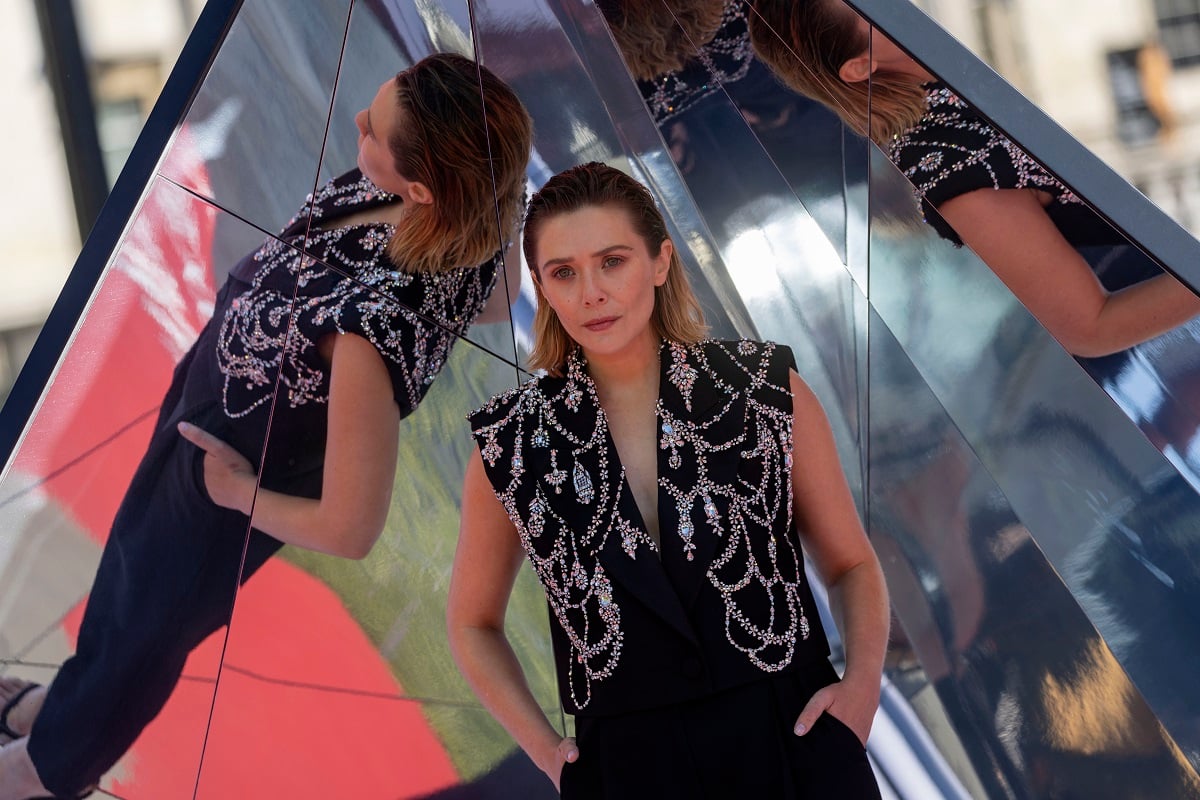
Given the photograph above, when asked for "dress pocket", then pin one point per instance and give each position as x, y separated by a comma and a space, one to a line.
843, 731
564, 781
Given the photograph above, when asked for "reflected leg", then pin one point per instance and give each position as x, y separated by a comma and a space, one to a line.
166, 581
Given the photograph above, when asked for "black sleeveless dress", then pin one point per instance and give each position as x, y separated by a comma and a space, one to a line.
687, 661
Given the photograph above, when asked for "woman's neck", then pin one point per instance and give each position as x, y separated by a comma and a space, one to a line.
632, 372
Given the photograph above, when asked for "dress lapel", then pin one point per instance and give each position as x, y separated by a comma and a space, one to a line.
595, 495
702, 433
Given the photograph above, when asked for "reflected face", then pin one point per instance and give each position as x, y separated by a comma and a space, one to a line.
597, 274
377, 123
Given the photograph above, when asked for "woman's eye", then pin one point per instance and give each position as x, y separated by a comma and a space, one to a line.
562, 272
613, 261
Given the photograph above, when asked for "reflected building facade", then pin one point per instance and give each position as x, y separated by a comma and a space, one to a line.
129, 48
1125, 80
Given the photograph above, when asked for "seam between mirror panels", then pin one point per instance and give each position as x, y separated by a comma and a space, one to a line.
58, 332
500, 234
261, 461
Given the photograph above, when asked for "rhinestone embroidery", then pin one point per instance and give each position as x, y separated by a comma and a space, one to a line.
344, 283
952, 150
757, 566
555, 476
681, 373
723, 60
583, 484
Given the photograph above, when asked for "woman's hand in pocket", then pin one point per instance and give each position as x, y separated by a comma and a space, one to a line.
567, 752
228, 476
851, 705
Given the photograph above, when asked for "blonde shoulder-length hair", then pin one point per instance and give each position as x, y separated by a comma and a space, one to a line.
677, 315
806, 42
467, 137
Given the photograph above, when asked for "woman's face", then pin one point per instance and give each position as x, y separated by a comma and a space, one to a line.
377, 123
597, 274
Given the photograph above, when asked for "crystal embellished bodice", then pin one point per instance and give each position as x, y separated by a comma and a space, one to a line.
953, 150
318, 279
719, 62
724, 503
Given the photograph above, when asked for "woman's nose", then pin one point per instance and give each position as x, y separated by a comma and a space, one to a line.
360, 119
593, 292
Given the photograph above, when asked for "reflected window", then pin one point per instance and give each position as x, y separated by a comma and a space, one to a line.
1136, 121
125, 92
1179, 26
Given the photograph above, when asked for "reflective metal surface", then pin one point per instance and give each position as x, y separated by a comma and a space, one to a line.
1035, 514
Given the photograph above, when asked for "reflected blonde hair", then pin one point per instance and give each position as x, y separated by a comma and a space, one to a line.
467, 137
806, 42
660, 36
677, 315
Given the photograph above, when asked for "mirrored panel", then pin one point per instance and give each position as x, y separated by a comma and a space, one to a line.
993, 652
354, 645
252, 139
694, 64
1080, 477
417, 765
1093, 290
442, 210
118, 550
585, 107
1127, 87
372, 641
731, 131
1128, 323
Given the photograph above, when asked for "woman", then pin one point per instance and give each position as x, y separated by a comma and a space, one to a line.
648, 478
1018, 218
402, 254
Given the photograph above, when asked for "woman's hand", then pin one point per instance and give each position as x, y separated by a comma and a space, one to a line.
853, 705
228, 476
567, 752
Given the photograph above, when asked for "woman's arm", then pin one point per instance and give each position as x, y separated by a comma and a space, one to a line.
485, 568
1010, 230
834, 538
360, 463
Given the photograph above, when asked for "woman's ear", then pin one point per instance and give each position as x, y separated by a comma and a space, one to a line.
662, 265
419, 193
857, 69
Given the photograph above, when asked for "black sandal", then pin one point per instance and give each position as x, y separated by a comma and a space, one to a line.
5, 730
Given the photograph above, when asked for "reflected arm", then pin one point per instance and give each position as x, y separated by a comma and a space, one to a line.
486, 562
1011, 231
360, 463
834, 538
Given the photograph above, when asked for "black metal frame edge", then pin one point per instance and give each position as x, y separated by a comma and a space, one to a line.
1127, 209
194, 60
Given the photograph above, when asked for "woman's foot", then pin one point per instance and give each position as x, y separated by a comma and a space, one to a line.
18, 778
20, 702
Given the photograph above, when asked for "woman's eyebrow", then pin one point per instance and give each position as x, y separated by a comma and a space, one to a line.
553, 262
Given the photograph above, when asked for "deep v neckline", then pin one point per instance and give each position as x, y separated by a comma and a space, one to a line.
624, 487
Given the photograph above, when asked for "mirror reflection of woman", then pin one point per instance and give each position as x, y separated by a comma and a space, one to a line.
661, 485
402, 255
1020, 220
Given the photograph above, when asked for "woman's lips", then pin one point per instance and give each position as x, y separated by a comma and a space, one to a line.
602, 324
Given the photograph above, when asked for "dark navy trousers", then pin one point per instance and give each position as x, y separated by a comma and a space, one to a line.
166, 581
